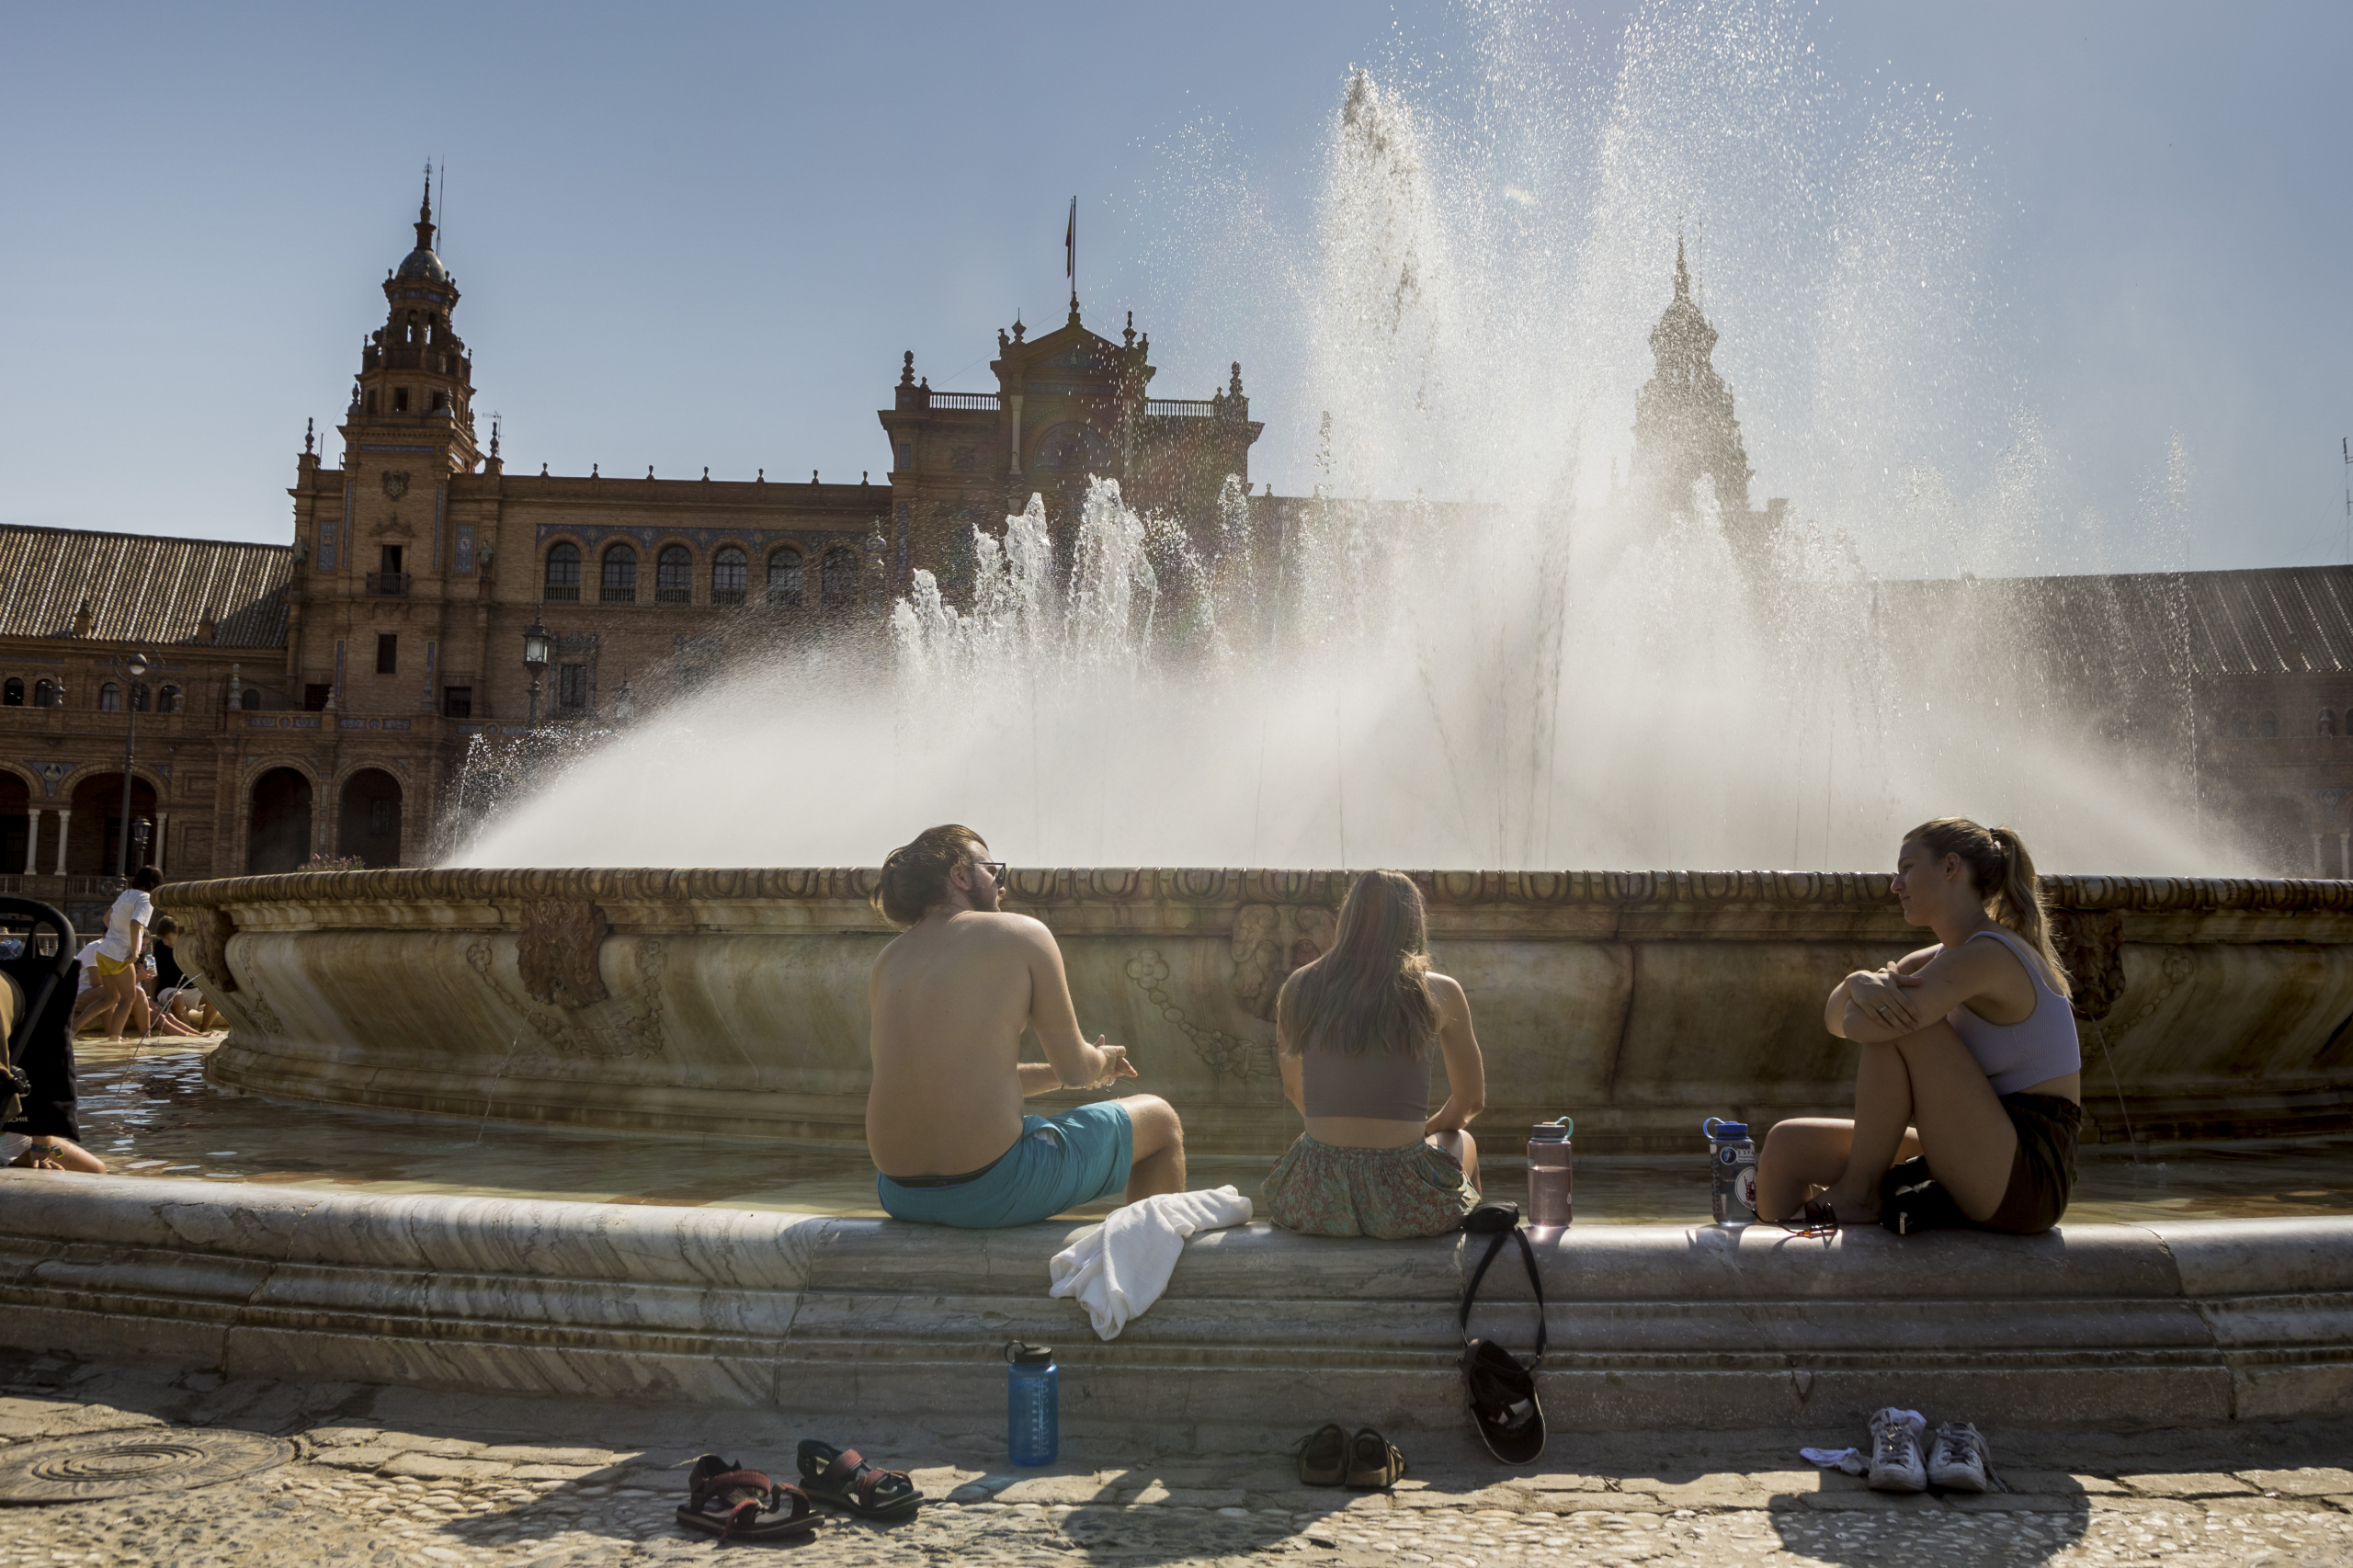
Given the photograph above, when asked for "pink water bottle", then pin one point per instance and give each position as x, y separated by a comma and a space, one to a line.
1550, 1185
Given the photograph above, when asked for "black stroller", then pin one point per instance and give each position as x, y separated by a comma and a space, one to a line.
36, 948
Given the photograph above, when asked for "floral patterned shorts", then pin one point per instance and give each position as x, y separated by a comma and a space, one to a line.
1321, 1189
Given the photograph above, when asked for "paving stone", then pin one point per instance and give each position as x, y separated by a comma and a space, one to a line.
2059, 1481
2206, 1484
1070, 1489
1868, 1501
2016, 1502
1563, 1483
2308, 1483
588, 1459
437, 1467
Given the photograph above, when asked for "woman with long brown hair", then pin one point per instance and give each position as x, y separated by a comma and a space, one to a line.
1971, 1075
1357, 1030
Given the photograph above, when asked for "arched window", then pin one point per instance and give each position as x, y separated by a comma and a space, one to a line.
563, 573
109, 699
45, 694
250, 700
168, 699
139, 697
620, 576
673, 572
784, 577
13, 694
2239, 727
838, 579
2268, 726
729, 574
2328, 723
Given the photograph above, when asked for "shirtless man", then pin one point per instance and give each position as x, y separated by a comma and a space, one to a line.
951, 997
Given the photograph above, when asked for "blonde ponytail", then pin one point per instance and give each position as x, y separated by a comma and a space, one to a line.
2003, 874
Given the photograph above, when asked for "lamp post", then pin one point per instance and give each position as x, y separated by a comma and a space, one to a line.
138, 670
535, 659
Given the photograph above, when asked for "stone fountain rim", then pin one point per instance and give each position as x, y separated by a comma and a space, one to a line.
1230, 887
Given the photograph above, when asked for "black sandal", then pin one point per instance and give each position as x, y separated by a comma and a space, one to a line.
749, 1505
1816, 1218
843, 1478
1374, 1463
1323, 1456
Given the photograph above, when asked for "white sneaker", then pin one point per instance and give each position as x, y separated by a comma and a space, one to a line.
1895, 1451
1958, 1460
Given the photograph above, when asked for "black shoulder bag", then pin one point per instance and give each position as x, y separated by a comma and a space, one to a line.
1503, 1392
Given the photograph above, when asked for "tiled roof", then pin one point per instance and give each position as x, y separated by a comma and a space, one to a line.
142, 588
2133, 630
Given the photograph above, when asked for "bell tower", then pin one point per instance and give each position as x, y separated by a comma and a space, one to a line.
1684, 430
414, 397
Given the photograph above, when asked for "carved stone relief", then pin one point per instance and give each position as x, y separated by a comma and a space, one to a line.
556, 951
1225, 1053
1269, 941
611, 1027
2090, 944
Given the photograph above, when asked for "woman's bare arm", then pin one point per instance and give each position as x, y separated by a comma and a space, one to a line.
1949, 980
1466, 1071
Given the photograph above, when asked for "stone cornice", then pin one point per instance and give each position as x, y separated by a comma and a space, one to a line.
1751, 905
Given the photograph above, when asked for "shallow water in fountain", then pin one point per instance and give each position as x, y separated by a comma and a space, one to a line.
146, 1110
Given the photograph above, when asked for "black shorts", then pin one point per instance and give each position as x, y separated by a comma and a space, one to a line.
2042, 1175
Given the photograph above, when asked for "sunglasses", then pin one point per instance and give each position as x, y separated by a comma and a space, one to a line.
995, 869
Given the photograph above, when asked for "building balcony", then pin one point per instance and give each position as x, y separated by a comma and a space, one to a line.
560, 594
388, 584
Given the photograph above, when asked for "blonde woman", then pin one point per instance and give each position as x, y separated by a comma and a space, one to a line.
1358, 1030
1970, 1071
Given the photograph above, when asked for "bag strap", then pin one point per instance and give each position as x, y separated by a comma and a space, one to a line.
1535, 1281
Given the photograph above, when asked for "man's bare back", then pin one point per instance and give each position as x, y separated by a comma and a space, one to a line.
951, 998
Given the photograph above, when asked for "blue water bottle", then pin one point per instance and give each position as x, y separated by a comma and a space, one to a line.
1731, 1161
1033, 1404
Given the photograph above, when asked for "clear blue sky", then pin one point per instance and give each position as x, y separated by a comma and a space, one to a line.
703, 235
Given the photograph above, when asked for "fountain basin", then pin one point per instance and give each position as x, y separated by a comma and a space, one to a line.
2168, 1323
733, 1002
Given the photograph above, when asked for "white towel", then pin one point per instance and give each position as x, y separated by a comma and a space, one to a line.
1120, 1267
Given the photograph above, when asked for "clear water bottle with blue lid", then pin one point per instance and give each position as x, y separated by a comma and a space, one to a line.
1732, 1167
1032, 1404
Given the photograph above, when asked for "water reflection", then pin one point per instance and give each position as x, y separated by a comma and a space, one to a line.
147, 1110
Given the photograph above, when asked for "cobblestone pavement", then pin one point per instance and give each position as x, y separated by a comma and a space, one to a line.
390, 1476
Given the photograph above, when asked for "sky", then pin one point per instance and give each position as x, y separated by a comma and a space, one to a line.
704, 235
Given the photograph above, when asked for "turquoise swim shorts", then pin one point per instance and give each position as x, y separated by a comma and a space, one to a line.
1058, 1163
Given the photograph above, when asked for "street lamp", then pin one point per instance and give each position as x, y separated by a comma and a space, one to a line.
535, 659
138, 668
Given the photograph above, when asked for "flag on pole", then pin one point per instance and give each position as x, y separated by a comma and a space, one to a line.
1069, 246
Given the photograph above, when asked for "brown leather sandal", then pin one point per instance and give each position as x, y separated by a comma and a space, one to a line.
1375, 1464
734, 1504
842, 1478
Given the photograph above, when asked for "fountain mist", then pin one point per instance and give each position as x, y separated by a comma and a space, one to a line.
1551, 672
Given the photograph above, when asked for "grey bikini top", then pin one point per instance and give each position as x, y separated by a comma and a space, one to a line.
2039, 1047
1383, 1086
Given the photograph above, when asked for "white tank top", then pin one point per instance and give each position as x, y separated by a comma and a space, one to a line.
2038, 1048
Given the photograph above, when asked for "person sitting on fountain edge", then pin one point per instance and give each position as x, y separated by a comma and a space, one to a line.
951, 996
1357, 1030
1971, 1072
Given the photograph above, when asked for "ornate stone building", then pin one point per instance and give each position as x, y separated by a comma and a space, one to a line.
319, 696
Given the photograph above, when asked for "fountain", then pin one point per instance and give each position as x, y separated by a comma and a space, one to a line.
1554, 671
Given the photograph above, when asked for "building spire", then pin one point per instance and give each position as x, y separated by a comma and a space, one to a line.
424, 212
1682, 273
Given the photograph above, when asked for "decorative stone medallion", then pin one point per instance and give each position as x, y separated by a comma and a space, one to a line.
138, 1462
